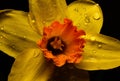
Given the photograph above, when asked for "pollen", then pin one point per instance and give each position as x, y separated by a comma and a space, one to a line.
57, 44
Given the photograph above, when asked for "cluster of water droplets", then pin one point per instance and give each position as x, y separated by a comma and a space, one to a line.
33, 21
1, 36
5, 40
95, 47
87, 18
76, 10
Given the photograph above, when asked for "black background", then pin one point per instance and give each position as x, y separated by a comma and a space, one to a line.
111, 13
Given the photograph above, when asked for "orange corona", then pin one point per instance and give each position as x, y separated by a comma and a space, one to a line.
62, 43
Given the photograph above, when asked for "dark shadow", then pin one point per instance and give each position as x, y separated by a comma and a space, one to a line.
5, 66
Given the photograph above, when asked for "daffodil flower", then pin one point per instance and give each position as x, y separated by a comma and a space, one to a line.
57, 42
62, 43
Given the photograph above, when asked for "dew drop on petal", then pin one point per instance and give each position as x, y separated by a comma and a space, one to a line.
93, 59
24, 37
99, 46
2, 28
13, 46
36, 54
92, 56
86, 24
1, 37
33, 21
96, 16
87, 19
43, 22
92, 38
76, 10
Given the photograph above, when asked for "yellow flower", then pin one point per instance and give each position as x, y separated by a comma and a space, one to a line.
20, 32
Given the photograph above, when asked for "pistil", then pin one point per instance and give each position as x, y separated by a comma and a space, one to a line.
56, 45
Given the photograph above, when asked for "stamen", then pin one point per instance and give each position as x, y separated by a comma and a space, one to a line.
56, 45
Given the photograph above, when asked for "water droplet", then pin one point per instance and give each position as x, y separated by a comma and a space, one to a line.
76, 10
33, 21
99, 46
93, 59
96, 16
1, 37
87, 19
13, 46
36, 53
86, 23
43, 22
24, 37
2, 28
92, 38
97, 4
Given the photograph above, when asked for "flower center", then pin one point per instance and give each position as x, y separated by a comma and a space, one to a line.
56, 45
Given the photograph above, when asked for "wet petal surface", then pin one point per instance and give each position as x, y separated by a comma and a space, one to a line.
100, 53
15, 32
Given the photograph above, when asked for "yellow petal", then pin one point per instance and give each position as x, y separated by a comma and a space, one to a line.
30, 66
86, 15
15, 32
43, 12
101, 52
